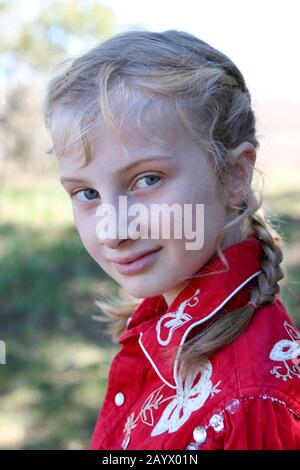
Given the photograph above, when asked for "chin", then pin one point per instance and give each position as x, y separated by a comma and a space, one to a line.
142, 291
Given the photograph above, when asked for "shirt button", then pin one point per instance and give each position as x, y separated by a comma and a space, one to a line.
119, 399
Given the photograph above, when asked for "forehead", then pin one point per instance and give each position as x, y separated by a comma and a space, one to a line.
145, 125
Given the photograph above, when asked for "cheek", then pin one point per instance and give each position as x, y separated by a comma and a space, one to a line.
200, 235
213, 204
87, 232
214, 215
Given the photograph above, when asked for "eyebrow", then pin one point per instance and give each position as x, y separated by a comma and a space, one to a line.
64, 179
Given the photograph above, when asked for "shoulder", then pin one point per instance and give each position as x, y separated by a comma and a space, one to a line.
264, 359
248, 423
267, 356
258, 404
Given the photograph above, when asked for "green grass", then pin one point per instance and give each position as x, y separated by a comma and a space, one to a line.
57, 358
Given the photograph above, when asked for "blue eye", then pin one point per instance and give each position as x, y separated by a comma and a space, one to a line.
89, 193
150, 178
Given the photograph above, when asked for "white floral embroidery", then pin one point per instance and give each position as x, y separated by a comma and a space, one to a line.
177, 319
215, 390
151, 402
146, 414
129, 425
190, 396
286, 350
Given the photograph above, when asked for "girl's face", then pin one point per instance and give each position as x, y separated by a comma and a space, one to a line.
170, 171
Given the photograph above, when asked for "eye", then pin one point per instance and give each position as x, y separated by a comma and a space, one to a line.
87, 193
149, 180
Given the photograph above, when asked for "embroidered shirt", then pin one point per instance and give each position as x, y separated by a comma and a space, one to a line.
245, 396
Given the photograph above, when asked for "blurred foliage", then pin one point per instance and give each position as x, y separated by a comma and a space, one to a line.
23, 137
47, 37
57, 356
26, 58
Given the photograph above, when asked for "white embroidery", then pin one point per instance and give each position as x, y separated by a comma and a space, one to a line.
178, 319
146, 414
215, 390
153, 401
190, 396
129, 425
286, 350
186, 332
203, 320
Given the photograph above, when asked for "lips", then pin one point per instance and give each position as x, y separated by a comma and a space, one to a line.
131, 258
140, 263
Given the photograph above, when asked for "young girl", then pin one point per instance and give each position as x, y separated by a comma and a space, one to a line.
209, 354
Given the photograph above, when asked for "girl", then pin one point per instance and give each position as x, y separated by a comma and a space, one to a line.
209, 353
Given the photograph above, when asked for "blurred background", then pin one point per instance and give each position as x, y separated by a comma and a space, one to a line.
57, 360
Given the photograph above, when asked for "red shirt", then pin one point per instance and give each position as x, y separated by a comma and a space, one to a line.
246, 396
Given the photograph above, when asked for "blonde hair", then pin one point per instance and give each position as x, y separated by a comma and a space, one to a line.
213, 102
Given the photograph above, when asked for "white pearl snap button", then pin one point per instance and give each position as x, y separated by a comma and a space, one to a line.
119, 398
199, 434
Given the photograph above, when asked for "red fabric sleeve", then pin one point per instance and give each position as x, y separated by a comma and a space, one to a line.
257, 424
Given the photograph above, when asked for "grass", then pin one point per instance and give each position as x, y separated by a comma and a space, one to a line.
57, 358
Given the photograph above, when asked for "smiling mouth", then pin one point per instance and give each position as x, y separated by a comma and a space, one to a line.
138, 264
131, 259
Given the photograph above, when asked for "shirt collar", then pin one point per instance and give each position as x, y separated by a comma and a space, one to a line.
161, 327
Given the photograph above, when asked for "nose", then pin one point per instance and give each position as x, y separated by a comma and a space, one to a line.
111, 242
112, 228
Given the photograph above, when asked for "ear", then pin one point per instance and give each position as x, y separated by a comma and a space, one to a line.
242, 161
